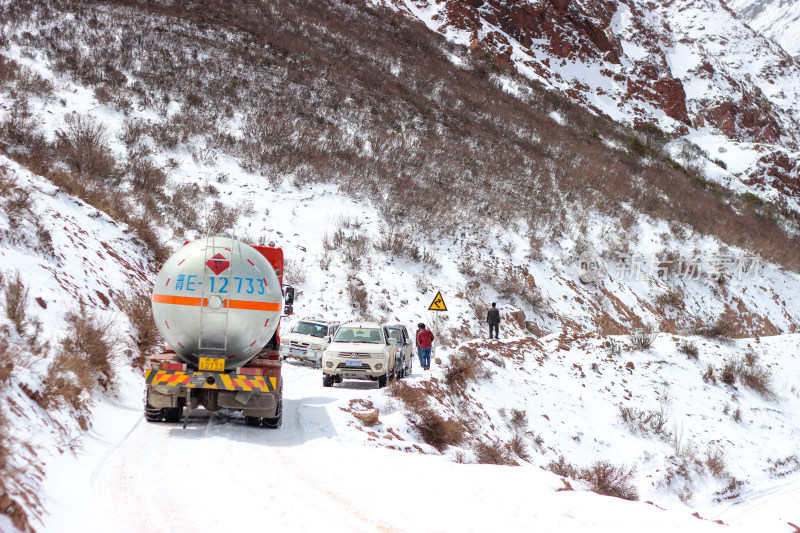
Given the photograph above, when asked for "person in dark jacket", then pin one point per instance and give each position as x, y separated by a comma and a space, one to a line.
424, 345
493, 318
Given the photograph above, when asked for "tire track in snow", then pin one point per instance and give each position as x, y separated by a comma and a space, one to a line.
220, 473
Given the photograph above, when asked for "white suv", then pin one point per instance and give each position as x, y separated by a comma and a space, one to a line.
360, 350
308, 339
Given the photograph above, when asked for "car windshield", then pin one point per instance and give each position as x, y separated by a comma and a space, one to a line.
396, 334
366, 335
309, 328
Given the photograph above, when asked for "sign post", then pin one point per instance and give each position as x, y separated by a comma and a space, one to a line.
436, 305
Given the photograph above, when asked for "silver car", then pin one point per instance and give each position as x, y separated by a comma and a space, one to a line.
404, 361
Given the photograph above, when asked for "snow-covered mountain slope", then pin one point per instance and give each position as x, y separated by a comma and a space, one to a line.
317, 181
64, 257
690, 66
777, 19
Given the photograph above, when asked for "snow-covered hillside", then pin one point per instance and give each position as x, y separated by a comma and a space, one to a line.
708, 422
777, 19
690, 67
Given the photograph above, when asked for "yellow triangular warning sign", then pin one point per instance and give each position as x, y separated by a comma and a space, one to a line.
438, 303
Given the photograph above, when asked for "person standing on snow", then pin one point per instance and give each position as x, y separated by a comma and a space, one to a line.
424, 345
493, 318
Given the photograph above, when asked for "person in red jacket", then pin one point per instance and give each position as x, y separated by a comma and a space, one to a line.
424, 345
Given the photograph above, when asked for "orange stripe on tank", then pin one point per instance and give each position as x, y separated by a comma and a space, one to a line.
254, 306
231, 304
177, 300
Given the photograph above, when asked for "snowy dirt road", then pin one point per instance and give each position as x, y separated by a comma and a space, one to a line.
219, 473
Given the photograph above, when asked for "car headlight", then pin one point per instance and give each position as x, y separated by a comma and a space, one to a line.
315, 347
329, 364
378, 366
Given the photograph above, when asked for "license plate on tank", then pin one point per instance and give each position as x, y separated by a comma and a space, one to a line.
212, 364
353, 363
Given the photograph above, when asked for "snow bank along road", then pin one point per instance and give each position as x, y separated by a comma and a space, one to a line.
316, 473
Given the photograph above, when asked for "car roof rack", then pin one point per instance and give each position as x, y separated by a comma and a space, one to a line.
318, 319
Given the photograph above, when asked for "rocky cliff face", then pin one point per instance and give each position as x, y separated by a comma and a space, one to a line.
689, 66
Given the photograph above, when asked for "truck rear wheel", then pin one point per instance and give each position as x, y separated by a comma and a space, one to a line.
173, 414
276, 421
152, 414
167, 414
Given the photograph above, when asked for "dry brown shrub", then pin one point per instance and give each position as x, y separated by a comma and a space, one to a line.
728, 373
732, 491
21, 129
519, 447
562, 468
493, 453
436, 430
396, 242
143, 226
715, 461
519, 418
672, 298
18, 206
609, 480
83, 144
6, 361
643, 338
689, 349
16, 299
753, 375
88, 343
429, 258
358, 295
355, 248
9, 70
30, 83
718, 330
145, 175
133, 130
67, 383
758, 378
461, 370
220, 218
10, 476
709, 374
646, 422
139, 309
414, 398
294, 272
182, 206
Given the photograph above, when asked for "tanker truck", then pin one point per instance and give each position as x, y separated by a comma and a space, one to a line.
217, 303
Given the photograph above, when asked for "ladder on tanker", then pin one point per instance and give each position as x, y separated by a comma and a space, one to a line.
214, 311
